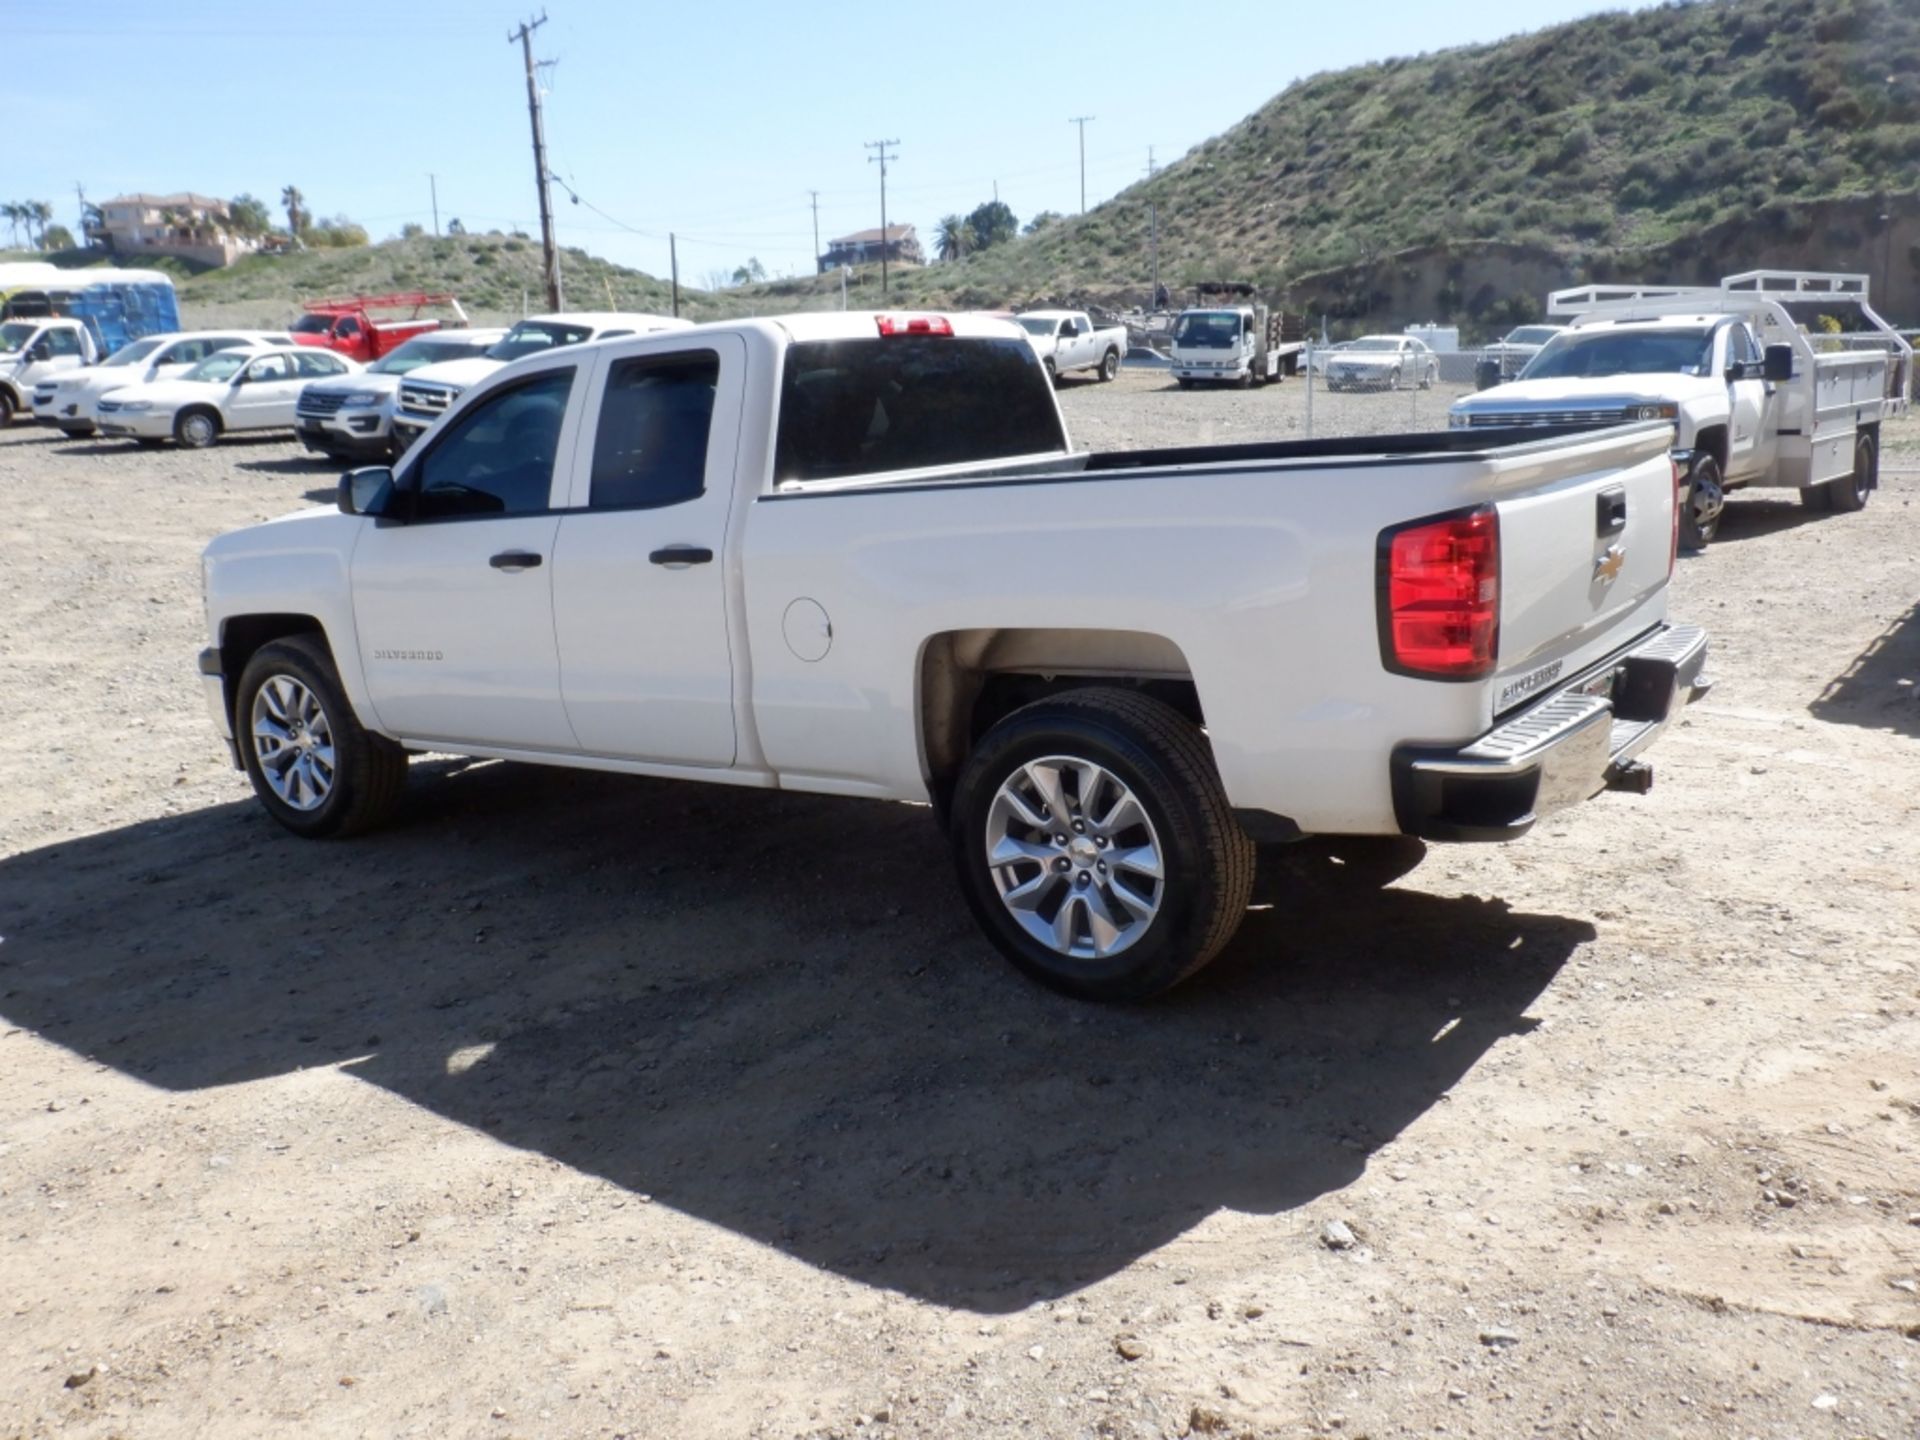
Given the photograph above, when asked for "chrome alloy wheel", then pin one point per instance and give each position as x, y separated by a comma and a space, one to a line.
197, 430
1074, 857
293, 741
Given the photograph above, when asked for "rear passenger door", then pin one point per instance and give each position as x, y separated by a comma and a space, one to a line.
640, 580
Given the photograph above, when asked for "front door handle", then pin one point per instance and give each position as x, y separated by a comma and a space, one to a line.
514, 560
682, 555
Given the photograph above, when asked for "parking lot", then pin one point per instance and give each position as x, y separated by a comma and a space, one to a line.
575, 1105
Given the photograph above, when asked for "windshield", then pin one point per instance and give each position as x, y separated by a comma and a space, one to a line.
1532, 335
415, 353
1573, 356
530, 337
223, 366
313, 325
1375, 345
1208, 329
14, 337
1037, 325
132, 354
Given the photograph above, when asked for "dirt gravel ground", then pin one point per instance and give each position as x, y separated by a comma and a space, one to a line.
583, 1106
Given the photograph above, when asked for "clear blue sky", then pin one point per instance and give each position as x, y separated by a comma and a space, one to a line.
710, 120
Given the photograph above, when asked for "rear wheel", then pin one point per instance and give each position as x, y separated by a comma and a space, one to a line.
1096, 847
1110, 365
1706, 501
1185, 383
315, 768
1850, 492
6, 409
197, 429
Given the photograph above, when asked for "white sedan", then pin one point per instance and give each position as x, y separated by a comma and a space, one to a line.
1383, 362
251, 387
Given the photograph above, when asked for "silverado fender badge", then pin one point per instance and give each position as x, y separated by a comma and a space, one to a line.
1607, 567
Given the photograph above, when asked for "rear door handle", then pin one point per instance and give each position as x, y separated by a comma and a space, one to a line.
514, 560
682, 555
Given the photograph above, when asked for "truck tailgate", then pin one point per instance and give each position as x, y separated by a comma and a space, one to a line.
1586, 550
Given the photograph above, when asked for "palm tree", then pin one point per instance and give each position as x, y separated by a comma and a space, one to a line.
953, 237
297, 217
40, 213
13, 213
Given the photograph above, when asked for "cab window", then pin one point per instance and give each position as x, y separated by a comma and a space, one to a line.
650, 448
497, 458
62, 342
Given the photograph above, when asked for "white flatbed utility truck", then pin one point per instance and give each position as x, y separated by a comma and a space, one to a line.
1245, 343
1755, 400
855, 554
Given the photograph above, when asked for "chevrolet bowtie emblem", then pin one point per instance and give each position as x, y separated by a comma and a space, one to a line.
1608, 565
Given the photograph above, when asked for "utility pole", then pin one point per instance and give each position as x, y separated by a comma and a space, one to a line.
80, 194
1081, 121
673, 259
552, 256
816, 230
1153, 228
1150, 164
881, 158
433, 189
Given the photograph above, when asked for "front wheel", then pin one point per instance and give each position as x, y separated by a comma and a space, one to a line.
1096, 847
1850, 493
1110, 365
314, 767
1053, 375
1706, 501
1393, 380
197, 429
6, 409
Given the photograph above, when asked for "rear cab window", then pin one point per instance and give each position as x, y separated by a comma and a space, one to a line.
865, 406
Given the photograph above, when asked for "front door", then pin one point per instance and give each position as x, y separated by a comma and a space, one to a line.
1747, 452
640, 592
453, 597
264, 394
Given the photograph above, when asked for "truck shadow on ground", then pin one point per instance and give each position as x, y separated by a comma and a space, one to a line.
1880, 690
769, 1011
1748, 517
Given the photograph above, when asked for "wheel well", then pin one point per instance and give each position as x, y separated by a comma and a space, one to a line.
243, 635
971, 679
1713, 440
207, 410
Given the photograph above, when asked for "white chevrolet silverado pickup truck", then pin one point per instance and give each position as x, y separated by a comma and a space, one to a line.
1754, 400
855, 554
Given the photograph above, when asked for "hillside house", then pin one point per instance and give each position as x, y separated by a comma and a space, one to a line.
189, 226
898, 243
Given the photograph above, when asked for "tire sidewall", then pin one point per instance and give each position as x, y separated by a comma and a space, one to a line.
1692, 535
298, 663
1151, 962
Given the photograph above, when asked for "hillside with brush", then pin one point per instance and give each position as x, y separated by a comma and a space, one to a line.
1617, 136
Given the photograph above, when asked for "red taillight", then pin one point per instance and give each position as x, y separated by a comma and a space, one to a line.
1673, 543
914, 324
1440, 596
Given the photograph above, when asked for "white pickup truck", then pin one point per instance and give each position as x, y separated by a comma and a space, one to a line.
34, 351
1754, 399
855, 554
1068, 340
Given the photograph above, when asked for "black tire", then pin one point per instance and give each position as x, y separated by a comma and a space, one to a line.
1184, 382
1053, 375
1393, 380
1245, 382
196, 428
1704, 504
1206, 859
1849, 494
6, 409
369, 771
1430, 378
1110, 364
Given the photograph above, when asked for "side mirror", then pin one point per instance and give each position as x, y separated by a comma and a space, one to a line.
1778, 365
365, 491
42, 351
